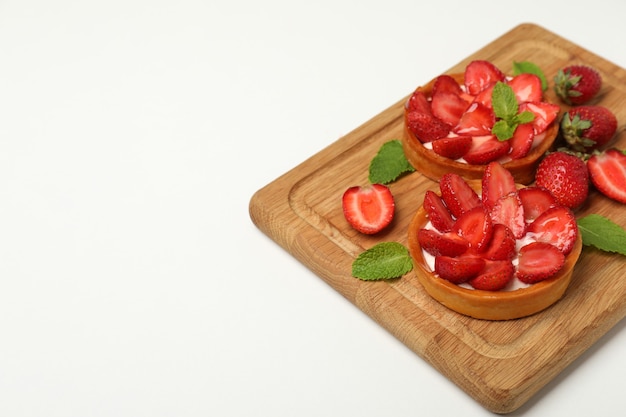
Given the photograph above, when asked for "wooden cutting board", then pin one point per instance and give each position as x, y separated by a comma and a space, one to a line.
500, 364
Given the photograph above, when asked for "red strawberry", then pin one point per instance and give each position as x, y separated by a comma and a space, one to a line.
459, 269
522, 141
445, 83
448, 107
446, 244
538, 261
486, 149
368, 209
527, 87
418, 102
494, 276
607, 171
588, 127
545, 113
426, 126
479, 74
535, 200
509, 211
565, 176
456, 193
476, 227
497, 182
556, 226
577, 84
437, 212
477, 120
502, 245
484, 97
453, 147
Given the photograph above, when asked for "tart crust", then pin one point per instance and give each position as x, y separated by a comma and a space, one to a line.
434, 166
489, 305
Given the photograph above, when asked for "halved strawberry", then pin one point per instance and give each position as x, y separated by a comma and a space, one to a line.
446, 244
453, 147
527, 87
544, 112
445, 83
426, 126
556, 226
538, 261
522, 141
476, 227
484, 97
477, 120
486, 149
458, 269
494, 276
497, 182
502, 245
448, 107
607, 171
368, 209
418, 102
437, 212
535, 200
479, 74
456, 193
508, 210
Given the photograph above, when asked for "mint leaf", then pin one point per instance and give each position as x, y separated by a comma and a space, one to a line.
503, 130
602, 233
383, 261
530, 68
389, 163
504, 102
524, 117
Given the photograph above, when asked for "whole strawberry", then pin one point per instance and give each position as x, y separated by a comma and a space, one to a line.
577, 84
565, 176
586, 128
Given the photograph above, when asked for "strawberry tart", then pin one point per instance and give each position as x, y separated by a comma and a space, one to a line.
461, 122
491, 248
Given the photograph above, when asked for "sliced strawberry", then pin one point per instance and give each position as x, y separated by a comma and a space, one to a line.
477, 120
456, 193
447, 84
535, 200
556, 226
448, 107
538, 261
484, 97
502, 244
522, 141
426, 126
497, 182
476, 227
509, 211
446, 244
479, 74
607, 171
437, 212
527, 87
494, 276
368, 209
453, 147
544, 112
459, 269
418, 102
486, 149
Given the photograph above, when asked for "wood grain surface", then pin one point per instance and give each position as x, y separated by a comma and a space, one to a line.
500, 364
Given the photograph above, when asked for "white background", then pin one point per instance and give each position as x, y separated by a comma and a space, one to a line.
132, 137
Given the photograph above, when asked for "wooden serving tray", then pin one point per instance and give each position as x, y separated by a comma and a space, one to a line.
500, 364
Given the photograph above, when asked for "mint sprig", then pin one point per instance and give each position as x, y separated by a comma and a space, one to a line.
506, 109
603, 233
526, 67
384, 260
389, 163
